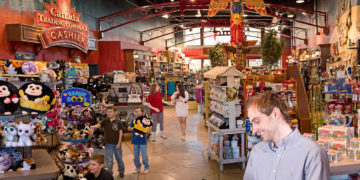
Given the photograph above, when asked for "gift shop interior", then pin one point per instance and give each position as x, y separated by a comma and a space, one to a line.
189, 68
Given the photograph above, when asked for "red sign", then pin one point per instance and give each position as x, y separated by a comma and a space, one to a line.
64, 37
65, 26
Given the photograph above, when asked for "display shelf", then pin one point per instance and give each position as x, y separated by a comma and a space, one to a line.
71, 119
223, 132
226, 131
75, 141
18, 75
222, 101
45, 168
346, 166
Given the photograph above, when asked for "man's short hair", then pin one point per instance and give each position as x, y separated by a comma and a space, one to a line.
99, 158
266, 102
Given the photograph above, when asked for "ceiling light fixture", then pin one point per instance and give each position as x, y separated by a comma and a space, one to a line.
166, 16
300, 1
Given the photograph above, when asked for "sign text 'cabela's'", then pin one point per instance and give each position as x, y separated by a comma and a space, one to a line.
65, 27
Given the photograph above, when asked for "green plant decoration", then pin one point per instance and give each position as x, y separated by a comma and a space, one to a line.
216, 55
271, 48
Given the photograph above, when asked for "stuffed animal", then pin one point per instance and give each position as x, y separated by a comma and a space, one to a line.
25, 131
35, 97
15, 67
39, 138
27, 165
52, 120
9, 98
4, 66
29, 68
16, 158
68, 173
11, 132
142, 126
5, 161
39, 119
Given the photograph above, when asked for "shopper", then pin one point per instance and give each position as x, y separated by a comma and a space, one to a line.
180, 98
284, 153
139, 143
96, 169
155, 103
113, 131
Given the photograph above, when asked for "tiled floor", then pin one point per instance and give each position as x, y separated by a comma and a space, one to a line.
172, 159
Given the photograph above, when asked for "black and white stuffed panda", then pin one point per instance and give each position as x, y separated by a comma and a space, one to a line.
9, 98
68, 173
35, 97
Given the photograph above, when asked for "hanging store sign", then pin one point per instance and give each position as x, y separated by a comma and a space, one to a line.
64, 26
64, 37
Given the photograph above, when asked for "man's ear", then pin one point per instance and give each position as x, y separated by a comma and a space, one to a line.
276, 112
101, 166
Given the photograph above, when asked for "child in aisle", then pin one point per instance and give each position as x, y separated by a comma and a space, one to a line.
96, 169
139, 143
113, 132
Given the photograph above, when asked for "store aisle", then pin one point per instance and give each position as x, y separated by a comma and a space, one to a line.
172, 159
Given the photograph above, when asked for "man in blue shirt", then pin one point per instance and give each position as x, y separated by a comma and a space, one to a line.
284, 153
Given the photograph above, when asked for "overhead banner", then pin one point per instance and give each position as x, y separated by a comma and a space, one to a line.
63, 26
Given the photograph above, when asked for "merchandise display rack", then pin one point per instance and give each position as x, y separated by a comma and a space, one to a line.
221, 133
223, 84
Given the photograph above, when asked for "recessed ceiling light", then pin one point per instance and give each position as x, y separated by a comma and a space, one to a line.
290, 15
300, 1
166, 16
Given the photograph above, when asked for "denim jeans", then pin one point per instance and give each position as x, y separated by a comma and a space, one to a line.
100, 151
110, 149
145, 161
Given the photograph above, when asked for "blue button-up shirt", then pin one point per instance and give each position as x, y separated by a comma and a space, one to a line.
296, 158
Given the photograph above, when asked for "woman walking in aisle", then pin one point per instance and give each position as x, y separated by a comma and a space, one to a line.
155, 103
181, 98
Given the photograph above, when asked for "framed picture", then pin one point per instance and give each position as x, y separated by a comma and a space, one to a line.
24, 56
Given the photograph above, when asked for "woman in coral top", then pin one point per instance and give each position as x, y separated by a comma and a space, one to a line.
155, 103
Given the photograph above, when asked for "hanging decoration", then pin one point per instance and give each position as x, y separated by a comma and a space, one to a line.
236, 20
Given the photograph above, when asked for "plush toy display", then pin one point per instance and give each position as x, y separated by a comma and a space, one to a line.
35, 97
26, 165
74, 153
29, 68
11, 133
4, 66
9, 98
5, 161
142, 125
53, 121
25, 131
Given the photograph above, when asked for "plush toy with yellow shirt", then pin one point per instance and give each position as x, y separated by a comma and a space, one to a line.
142, 125
35, 97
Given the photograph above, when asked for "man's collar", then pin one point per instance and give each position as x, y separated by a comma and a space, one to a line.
285, 142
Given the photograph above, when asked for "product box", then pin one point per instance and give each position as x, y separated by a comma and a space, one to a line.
357, 155
325, 132
334, 156
342, 133
351, 153
325, 144
339, 145
355, 143
309, 136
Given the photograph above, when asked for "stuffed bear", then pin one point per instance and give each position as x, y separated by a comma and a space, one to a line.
11, 132
14, 67
142, 125
25, 131
9, 98
68, 173
29, 68
35, 97
5, 161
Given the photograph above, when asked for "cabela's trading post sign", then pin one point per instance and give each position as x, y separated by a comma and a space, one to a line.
63, 26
